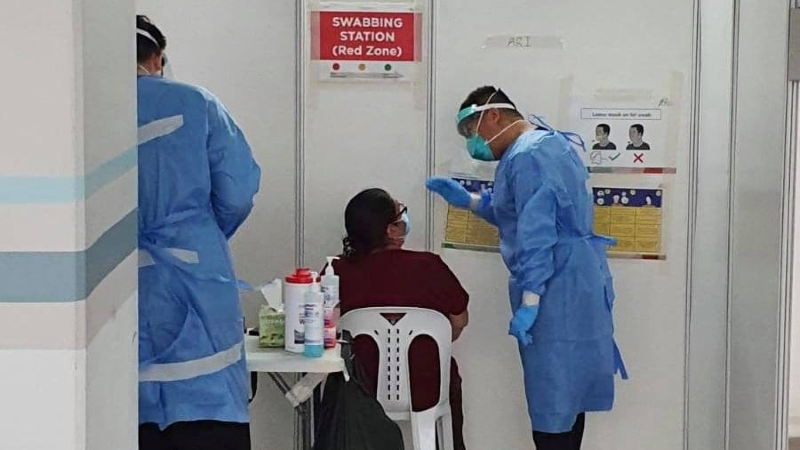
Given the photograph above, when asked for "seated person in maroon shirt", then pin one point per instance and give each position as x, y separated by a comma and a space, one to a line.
376, 271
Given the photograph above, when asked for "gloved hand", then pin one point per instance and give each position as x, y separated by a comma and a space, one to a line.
482, 206
451, 191
522, 322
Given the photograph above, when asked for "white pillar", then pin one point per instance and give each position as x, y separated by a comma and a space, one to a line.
68, 225
759, 202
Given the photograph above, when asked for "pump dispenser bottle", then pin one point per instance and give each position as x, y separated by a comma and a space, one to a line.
314, 321
330, 289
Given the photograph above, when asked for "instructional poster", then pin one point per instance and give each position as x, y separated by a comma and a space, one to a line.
626, 130
631, 216
624, 137
465, 230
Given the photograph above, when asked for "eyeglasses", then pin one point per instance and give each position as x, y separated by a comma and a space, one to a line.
403, 209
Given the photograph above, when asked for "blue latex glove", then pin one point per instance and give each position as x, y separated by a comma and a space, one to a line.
522, 322
483, 208
450, 190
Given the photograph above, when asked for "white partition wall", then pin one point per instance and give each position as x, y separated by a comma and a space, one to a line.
616, 47
245, 55
760, 202
706, 419
701, 331
360, 134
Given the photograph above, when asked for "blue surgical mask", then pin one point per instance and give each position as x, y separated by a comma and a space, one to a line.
406, 220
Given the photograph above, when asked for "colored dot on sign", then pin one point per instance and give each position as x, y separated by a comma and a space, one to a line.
362, 67
387, 67
336, 66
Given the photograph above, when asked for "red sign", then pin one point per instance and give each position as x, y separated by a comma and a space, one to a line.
366, 36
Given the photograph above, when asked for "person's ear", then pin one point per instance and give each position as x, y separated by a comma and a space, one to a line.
494, 116
157, 62
392, 231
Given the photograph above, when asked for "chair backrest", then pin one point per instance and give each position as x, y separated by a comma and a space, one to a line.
393, 330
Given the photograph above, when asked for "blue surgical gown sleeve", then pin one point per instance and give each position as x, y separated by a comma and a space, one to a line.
535, 204
485, 209
235, 176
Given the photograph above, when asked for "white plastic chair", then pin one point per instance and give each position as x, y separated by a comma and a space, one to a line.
393, 339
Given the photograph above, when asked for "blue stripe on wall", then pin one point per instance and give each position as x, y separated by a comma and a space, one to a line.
46, 190
57, 277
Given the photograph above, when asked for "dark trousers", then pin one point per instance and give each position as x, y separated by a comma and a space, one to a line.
457, 410
570, 440
200, 435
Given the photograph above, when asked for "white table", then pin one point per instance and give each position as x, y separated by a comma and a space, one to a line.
277, 363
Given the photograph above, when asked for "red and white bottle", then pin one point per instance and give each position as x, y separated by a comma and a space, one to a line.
295, 287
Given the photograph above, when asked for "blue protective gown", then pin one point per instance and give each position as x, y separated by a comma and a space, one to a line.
543, 212
197, 179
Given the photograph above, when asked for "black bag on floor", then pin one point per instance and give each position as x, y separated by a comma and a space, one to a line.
352, 419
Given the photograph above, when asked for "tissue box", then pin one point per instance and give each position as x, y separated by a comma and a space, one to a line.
271, 328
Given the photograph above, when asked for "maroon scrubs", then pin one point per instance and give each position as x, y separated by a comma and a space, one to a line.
410, 279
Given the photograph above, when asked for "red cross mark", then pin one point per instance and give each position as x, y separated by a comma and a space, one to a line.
638, 158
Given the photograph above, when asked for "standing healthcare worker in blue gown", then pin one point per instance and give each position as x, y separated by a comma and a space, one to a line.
197, 179
560, 286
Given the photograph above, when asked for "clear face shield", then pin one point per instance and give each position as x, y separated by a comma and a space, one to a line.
468, 126
468, 119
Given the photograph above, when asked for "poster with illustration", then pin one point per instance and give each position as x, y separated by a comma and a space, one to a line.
626, 130
625, 138
631, 216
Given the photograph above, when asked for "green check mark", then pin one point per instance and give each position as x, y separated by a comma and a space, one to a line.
615, 157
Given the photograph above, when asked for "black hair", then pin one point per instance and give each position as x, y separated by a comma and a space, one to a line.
366, 217
145, 47
605, 128
481, 96
639, 128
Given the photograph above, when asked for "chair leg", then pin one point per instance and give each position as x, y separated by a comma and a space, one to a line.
439, 434
423, 429
446, 429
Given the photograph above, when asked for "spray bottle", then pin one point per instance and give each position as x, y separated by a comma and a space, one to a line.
330, 289
314, 323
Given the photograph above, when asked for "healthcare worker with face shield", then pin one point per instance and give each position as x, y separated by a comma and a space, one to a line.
197, 179
560, 286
